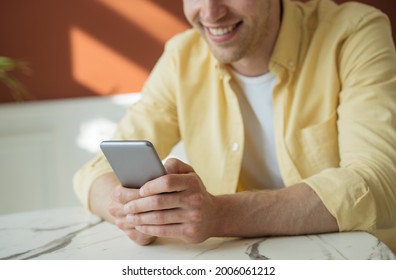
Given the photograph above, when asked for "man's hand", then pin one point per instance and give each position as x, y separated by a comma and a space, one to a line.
175, 205
119, 197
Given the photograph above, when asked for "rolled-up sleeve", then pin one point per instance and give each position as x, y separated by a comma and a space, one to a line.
361, 193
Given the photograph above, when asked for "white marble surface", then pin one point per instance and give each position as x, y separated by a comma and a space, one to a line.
71, 233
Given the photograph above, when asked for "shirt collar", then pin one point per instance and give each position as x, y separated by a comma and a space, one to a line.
287, 46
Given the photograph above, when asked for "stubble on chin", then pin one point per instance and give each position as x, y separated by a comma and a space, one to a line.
225, 54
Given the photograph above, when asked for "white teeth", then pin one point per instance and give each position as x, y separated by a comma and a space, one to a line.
221, 31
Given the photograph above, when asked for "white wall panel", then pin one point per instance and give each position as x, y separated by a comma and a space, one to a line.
42, 144
27, 170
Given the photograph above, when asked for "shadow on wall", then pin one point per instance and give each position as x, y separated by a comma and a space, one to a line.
85, 47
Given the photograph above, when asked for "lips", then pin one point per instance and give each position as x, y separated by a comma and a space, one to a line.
222, 34
221, 31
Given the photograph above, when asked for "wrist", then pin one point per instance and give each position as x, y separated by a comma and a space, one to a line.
227, 215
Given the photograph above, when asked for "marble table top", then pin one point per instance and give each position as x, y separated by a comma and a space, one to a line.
73, 234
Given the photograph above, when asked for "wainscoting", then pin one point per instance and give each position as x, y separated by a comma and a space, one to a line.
42, 144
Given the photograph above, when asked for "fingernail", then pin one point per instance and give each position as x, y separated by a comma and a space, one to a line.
126, 208
141, 191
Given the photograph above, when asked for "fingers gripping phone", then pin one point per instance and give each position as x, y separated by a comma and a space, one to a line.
134, 162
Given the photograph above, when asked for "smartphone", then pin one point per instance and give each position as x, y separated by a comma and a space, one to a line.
134, 162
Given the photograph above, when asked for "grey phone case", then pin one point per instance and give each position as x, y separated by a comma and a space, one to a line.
134, 162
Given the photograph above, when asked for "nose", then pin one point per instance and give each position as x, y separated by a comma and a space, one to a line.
212, 10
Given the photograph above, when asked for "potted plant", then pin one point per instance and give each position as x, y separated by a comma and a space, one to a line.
7, 65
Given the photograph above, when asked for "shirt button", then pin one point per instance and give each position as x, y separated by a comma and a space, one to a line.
235, 147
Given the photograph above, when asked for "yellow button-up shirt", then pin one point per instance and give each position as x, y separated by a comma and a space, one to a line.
334, 110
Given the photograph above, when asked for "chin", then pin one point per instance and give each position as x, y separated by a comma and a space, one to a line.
225, 57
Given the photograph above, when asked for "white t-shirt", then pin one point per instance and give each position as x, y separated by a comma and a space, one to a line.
260, 168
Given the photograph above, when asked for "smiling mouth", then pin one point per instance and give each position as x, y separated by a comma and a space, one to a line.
221, 31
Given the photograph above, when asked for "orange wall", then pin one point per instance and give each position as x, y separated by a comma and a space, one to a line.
90, 47
86, 47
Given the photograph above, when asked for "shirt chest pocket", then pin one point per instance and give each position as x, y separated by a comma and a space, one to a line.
315, 148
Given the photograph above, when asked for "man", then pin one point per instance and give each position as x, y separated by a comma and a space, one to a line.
264, 94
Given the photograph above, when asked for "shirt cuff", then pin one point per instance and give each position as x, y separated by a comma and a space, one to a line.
347, 197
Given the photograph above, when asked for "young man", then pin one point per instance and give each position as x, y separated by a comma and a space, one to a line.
287, 112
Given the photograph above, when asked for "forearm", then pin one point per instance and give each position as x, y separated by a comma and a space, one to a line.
289, 211
99, 197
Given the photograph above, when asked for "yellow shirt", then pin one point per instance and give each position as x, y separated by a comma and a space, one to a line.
334, 110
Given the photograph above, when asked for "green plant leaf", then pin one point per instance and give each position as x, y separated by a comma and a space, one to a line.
18, 92
7, 64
